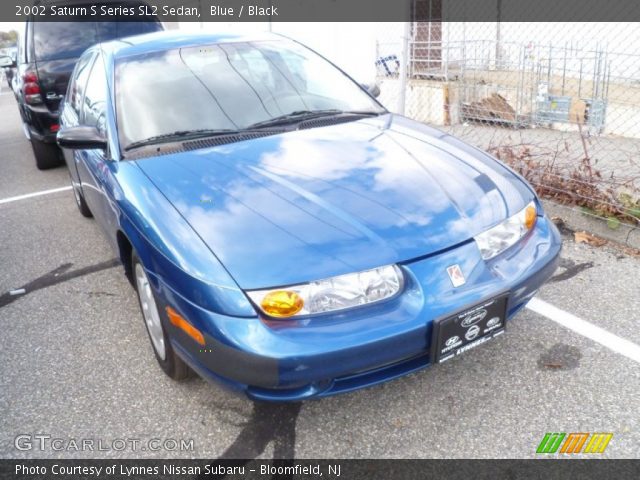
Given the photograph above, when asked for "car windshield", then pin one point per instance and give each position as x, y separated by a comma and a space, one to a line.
228, 87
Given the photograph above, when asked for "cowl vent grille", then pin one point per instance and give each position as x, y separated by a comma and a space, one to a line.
325, 122
223, 140
188, 146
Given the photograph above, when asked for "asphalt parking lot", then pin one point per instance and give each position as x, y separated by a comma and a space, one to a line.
76, 363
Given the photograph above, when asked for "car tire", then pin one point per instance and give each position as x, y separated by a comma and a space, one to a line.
47, 155
168, 360
80, 202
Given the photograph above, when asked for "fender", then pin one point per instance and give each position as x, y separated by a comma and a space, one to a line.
170, 249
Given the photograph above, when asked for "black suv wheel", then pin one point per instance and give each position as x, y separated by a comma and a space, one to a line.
48, 155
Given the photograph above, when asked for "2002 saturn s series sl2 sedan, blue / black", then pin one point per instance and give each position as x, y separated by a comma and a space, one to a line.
287, 236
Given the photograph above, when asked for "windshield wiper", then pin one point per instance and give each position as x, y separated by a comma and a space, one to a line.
301, 115
293, 117
180, 135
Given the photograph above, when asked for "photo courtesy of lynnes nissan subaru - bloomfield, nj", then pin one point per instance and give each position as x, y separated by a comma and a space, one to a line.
286, 235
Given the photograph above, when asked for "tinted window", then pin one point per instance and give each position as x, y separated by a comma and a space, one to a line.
95, 97
58, 40
110, 30
78, 83
227, 86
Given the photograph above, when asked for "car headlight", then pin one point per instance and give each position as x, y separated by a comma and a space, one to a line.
330, 295
497, 239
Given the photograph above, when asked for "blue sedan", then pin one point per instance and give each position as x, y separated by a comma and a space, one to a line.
286, 235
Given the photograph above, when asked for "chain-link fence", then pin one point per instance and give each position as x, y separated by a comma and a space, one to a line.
559, 102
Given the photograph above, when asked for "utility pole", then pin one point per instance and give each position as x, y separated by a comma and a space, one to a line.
404, 67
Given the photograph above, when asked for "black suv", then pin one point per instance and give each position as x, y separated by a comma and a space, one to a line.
47, 53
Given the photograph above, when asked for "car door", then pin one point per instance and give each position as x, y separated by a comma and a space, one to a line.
71, 112
96, 168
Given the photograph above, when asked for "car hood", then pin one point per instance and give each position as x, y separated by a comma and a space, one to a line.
314, 203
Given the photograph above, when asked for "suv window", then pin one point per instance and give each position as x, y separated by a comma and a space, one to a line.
111, 30
95, 97
60, 40
79, 81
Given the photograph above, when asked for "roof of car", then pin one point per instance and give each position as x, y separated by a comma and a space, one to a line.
171, 39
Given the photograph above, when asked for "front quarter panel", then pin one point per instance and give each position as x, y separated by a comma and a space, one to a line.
170, 249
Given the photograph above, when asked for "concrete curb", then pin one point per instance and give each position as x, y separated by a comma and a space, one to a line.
580, 221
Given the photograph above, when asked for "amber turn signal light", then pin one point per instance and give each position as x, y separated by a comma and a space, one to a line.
530, 216
178, 321
282, 303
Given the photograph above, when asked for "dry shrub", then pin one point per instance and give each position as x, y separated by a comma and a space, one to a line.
579, 184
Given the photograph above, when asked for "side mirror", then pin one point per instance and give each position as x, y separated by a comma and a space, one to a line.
6, 61
374, 89
81, 138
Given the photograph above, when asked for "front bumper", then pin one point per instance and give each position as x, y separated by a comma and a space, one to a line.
318, 356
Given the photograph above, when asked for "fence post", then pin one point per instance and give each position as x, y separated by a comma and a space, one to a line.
404, 65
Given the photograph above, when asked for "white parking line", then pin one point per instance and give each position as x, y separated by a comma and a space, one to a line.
35, 194
586, 329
